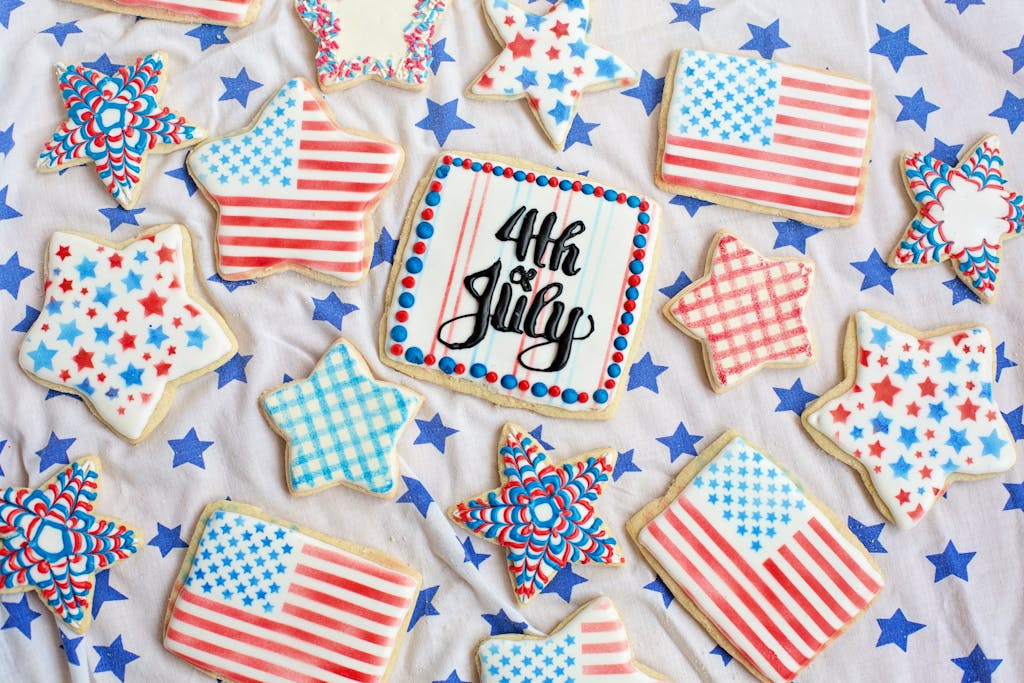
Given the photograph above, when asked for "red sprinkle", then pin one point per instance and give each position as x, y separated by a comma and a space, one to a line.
554, 391
598, 191
430, 360
408, 282
447, 159
491, 377
577, 186
523, 385
617, 356
583, 397
402, 316
488, 167
552, 181
467, 163
460, 369
609, 384
623, 329
396, 349
427, 214
419, 247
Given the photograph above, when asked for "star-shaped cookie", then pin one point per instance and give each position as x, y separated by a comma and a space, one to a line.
590, 645
113, 122
121, 326
964, 212
748, 311
341, 425
914, 414
549, 60
295, 190
51, 542
542, 514
392, 42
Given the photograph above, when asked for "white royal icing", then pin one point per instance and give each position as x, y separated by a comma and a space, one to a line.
920, 410
117, 325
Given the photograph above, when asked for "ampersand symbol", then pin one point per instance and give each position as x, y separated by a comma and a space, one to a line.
523, 277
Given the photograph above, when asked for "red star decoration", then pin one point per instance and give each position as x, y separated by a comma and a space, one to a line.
903, 497
83, 359
121, 315
66, 285
166, 254
928, 387
913, 409
839, 413
153, 303
63, 252
115, 260
560, 29
127, 341
925, 472
521, 47
864, 356
162, 368
552, 53
885, 391
968, 410
876, 448
65, 375
924, 344
485, 81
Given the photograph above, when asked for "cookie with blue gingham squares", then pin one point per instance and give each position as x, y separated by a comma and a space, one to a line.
341, 425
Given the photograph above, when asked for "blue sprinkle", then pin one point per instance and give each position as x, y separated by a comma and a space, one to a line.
457, 161
478, 370
644, 217
519, 175
433, 199
539, 389
476, 166
424, 230
406, 299
570, 396
588, 188
414, 265
614, 370
498, 171
565, 185
442, 171
399, 333
627, 318
621, 343
611, 195
632, 293
601, 396
633, 202
447, 365
639, 241
636, 267
414, 355
542, 180
509, 381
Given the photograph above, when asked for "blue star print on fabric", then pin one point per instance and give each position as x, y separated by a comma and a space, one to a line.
416, 495
792, 233
433, 432
624, 464
104, 592
691, 204
61, 30
208, 35
332, 309
765, 40
680, 441
960, 291
644, 373
563, 583
453, 677
962, 5
720, 651
239, 87
442, 120
11, 275
439, 56
501, 624
648, 91
233, 370
103, 65
976, 666
383, 249
182, 174
950, 562
470, 555
424, 606
681, 282
1016, 55
1002, 362
896, 630
189, 450
690, 12
1012, 109
114, 658
167, 539
7, 212
916, 108
3, 444
1015, 421
658, 586
230, 285
538, 433
579, 132
7, 143
20, 616
6, 7
70, 646
867, 534
895, 45
947, 153
55, 452
1016, 499
793, 399
118, 216
876, 272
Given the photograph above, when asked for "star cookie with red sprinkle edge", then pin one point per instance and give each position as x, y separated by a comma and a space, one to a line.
543, 514
964, 212
121, 326
915, 412
748, 312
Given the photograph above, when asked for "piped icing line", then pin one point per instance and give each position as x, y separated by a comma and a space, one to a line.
964, 212
915, 413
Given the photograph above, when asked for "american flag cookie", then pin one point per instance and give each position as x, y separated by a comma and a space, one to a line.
764, 136
260, 599
914, 413
341, 425
122, 325
771, 575
296, 191
748, 312
591, 646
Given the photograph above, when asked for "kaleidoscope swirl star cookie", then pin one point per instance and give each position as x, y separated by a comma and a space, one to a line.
341, 425
914, 413
52, 542
261, 599
391, 42
296, 191
764, 136
590, 646
543, 514
114, 122
121, 326
964, 213
521, 284
771, 575
218, 12
748, 312
548, 59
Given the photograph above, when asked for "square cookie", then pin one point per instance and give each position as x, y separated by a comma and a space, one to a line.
760, 564
524, 285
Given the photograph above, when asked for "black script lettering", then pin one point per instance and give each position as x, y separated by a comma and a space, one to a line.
564, 256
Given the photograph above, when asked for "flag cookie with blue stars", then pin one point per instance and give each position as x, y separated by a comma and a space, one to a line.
543, 514
392, 42
52, 542
114, 122
592, 645
121, 326
549, 60
207, 12
914, 413
964, 213
341, 425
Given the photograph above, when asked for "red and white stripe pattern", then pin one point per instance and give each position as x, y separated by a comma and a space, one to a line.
803, 153
295, 190
267, 603
767, 567
591, 646
229, 12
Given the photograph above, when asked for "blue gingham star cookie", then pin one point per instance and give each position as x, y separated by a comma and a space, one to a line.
341, 425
